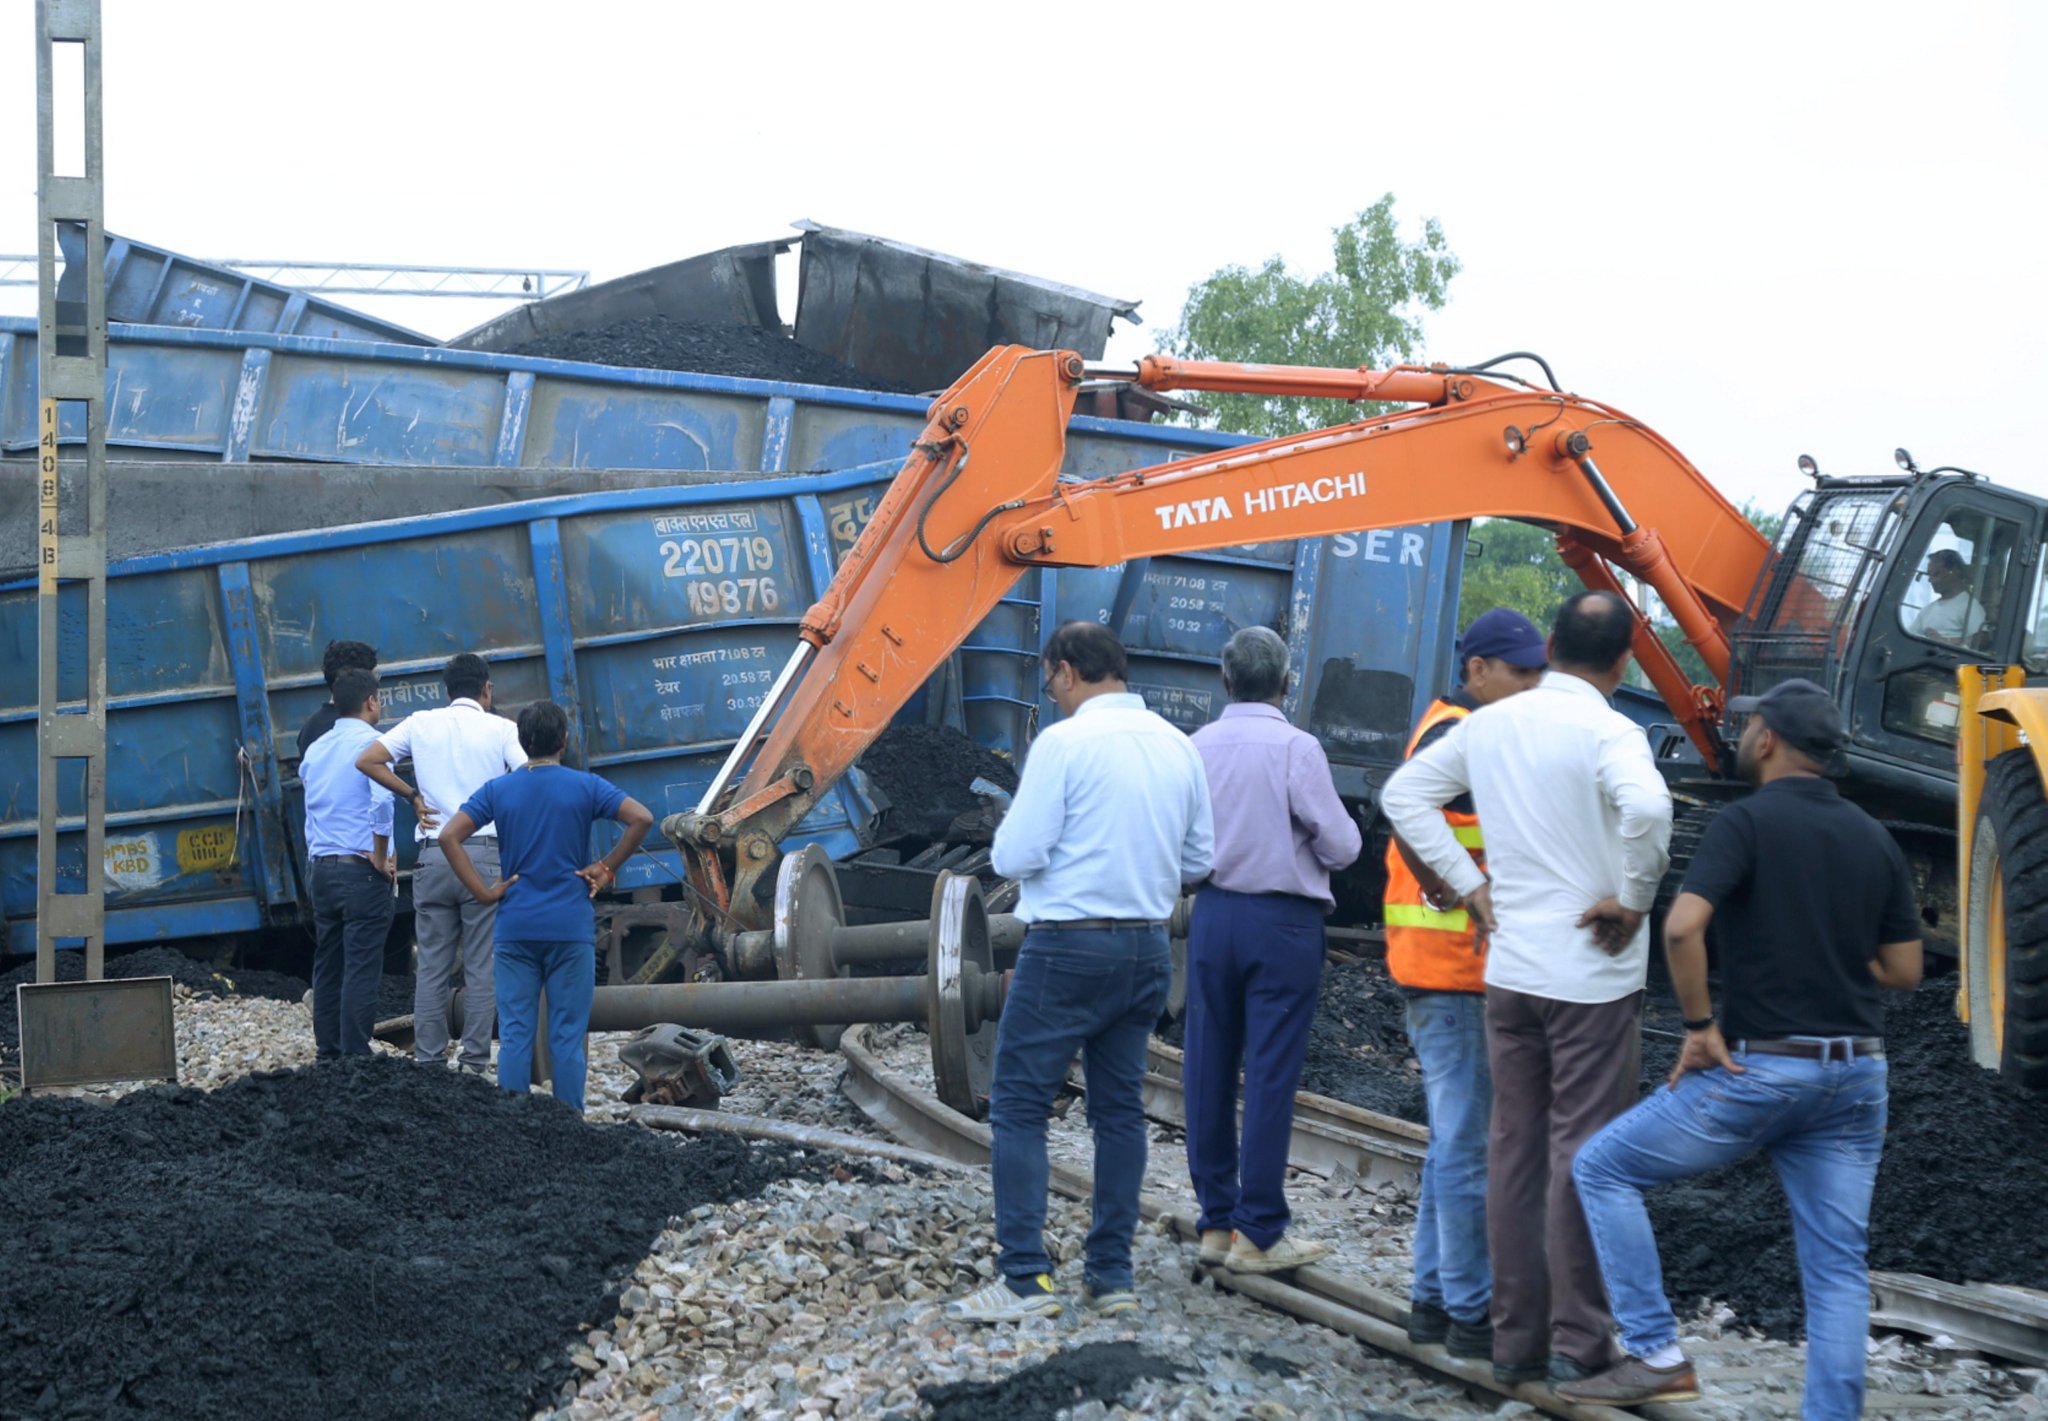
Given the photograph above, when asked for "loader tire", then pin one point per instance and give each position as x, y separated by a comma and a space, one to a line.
2007, 934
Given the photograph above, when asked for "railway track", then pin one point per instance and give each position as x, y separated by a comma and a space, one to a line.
1331, 1137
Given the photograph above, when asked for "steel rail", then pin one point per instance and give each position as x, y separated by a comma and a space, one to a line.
904, 1109
2004, 1321
1328, 1135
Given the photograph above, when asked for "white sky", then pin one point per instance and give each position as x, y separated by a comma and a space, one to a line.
1764, 229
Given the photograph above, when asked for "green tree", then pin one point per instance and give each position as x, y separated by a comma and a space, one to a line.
1366, 311
1510, 564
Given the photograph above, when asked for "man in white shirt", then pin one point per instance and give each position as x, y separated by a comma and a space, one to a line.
1578, 828
1110, 819
1954, 616
455, 750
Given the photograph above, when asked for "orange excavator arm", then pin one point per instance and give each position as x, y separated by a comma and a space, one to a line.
980, 500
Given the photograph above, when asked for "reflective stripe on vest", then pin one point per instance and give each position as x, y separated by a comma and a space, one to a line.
1430, 949
1421, 915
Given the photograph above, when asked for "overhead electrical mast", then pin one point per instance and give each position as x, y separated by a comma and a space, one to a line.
71, 366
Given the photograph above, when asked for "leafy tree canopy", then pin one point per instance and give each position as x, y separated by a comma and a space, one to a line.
1365, 311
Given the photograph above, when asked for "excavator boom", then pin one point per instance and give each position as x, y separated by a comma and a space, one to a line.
980, 500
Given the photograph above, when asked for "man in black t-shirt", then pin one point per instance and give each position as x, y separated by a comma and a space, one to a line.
340, 656
1813, 914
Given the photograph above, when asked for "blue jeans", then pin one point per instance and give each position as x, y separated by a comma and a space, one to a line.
1254, 963
1448, 1032
1099, 993
1823, 1126
567, 972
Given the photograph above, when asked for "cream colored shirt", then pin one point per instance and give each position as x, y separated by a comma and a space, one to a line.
1574, 810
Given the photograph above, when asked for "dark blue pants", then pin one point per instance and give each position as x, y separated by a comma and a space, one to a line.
1255, 961
352, 907
1097, 992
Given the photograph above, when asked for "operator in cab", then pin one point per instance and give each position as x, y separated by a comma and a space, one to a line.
1954, 616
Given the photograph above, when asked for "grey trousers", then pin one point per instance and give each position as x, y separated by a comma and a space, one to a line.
1561, 1070
451, 927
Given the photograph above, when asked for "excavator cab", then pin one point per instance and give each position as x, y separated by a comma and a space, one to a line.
1880, 589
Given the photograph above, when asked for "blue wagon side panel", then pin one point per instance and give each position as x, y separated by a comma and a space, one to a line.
255, 397
148, 285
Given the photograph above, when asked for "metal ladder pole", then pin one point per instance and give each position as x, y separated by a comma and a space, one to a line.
71, 365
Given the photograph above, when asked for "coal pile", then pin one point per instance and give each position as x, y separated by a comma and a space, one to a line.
1946, 1204
362, 1239
705, 348
925, 772
1096, 1371
1958, 1192
1358, 1044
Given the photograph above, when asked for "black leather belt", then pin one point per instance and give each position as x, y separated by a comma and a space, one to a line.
341, 858
1834, 1048
1096, 924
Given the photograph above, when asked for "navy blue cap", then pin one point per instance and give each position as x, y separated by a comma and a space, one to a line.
1804, 714
1505, 635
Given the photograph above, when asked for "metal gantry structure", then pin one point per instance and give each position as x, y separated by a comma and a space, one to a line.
493, 283
71, 365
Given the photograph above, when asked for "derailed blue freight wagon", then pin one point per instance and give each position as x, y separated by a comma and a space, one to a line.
216, 649
657, 619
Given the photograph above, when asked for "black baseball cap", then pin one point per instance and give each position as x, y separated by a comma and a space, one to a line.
1799, 711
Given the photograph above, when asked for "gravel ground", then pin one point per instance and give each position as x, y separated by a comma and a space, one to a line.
822, 1298
1368, 1229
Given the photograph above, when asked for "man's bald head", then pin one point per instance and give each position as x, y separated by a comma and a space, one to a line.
1592, 633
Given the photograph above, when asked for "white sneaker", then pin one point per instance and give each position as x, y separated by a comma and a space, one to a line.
1215, 1246
1285, 1254
998, 1302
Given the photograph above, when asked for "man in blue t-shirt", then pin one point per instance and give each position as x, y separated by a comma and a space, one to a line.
545, 936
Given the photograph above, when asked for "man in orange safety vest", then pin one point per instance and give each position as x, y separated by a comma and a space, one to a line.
1437, 959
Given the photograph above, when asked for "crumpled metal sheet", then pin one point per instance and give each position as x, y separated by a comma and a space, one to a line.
731, 286
920, 318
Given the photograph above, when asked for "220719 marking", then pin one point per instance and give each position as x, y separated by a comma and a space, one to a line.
698, 557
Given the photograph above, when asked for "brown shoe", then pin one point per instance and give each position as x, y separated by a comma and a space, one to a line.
1633, 1382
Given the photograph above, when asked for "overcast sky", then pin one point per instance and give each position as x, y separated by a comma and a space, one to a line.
1765, 230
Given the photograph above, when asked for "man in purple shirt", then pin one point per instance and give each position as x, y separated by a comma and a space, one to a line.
1255, 955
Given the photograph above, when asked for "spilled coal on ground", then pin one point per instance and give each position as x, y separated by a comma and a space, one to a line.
1096, 1371
1957, 1192
362, 1238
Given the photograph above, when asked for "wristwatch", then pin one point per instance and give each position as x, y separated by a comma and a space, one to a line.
1701, 1025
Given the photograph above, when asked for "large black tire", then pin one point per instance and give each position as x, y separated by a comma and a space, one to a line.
2009, 905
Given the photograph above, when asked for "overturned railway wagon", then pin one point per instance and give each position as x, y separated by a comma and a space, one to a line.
656, 614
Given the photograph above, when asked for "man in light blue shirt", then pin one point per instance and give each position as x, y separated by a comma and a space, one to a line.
348, 838
1110, 819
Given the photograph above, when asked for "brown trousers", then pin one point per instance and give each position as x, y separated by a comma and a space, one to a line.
1561, 1070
